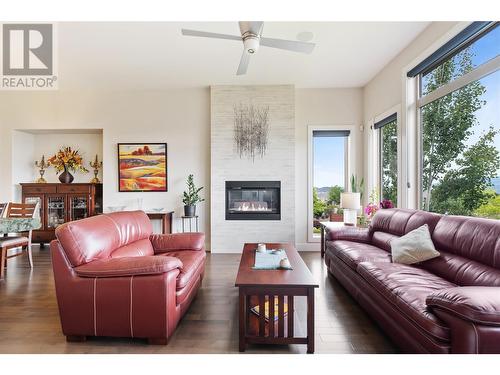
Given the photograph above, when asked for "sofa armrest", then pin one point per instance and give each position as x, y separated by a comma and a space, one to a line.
477, 304
129, 266
346, 233
163, 243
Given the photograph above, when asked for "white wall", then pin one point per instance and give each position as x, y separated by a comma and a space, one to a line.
322, 107
384, 91
22, 161
179, 117
88, 144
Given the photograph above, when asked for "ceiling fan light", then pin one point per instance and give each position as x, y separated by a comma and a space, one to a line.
251, 44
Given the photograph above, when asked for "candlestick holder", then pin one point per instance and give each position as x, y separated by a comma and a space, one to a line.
96, 165
42, 165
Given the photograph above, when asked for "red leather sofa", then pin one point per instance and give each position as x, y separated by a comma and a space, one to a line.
113, 277
449, 304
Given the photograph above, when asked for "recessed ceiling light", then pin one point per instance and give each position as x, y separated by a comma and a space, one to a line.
305, 36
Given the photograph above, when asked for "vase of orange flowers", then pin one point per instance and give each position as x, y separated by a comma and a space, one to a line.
66, 160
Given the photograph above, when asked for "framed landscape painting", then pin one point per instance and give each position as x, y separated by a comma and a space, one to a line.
142, 167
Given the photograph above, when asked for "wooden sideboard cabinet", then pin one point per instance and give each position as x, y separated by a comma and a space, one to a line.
59, 203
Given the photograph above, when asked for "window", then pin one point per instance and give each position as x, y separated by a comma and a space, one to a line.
459, 109
388, 158
329, 177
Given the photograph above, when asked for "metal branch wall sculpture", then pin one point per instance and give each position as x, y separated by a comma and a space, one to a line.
251, 130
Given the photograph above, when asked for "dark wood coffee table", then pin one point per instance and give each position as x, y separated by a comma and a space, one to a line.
258, 286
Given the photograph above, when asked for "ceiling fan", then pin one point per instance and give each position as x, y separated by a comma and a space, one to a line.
251, 35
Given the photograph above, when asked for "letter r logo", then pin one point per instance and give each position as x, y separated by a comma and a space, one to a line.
27, 49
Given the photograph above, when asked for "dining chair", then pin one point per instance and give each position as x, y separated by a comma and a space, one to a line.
16, 211
3, 206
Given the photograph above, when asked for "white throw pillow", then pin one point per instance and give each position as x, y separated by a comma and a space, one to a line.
414, 247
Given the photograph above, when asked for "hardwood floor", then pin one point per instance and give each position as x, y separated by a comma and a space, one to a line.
29, 318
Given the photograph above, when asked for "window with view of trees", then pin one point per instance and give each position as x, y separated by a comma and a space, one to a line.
329, 165
388, 141
460, 130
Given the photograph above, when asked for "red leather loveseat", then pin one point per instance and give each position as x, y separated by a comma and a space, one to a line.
449, 304
113, 277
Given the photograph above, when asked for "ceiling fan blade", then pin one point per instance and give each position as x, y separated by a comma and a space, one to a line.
254, 27
206, 34
290, 45
242, 68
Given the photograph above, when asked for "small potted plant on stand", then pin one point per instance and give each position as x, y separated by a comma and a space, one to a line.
191, 197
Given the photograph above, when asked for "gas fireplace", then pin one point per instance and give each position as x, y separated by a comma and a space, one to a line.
253, 200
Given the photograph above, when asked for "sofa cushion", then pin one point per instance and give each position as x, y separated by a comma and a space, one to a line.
407, 288
469, 237
98, 236
383, 240
414, 247
461, 271
352, 253
192, 265
400, 221
128, 266
184, 294
135, 249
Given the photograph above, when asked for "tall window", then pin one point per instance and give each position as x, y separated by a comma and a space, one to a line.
459, 107
388, 158
329, 167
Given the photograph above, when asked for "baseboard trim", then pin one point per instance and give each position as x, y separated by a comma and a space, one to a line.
308, 246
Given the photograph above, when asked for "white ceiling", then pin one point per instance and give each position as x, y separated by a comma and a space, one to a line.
140, 55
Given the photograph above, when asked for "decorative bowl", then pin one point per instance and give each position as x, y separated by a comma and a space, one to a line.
116, 208
157, 209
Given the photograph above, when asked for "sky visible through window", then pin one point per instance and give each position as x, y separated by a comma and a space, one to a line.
329, 161
485, 49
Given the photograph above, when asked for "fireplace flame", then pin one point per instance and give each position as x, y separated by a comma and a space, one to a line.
251, 206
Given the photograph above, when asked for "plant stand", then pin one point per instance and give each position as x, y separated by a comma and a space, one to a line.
189, 220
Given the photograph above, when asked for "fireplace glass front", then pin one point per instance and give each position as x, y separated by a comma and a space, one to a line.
253, 200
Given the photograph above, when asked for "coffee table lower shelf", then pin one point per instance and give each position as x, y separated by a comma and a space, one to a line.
255, 329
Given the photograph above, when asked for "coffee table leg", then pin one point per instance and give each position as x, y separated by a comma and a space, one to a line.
242, 320
310, 320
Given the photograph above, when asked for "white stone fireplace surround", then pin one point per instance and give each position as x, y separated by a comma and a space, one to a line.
277, 164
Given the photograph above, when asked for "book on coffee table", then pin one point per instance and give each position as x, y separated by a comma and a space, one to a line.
256, 309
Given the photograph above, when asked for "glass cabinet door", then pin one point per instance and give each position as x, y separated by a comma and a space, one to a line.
56, 211
78, 207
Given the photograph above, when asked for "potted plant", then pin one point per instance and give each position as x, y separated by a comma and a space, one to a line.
67, 160
336, 214
372, 207
191, 197
358, 186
